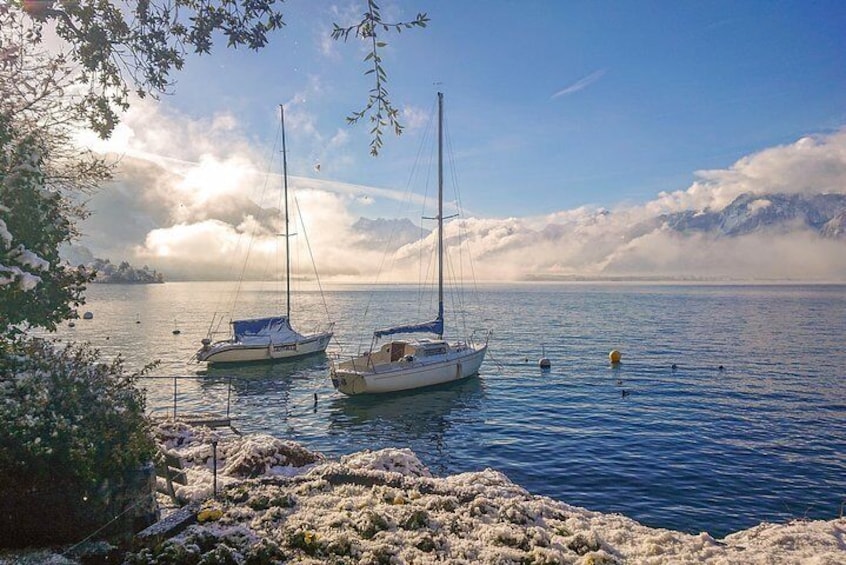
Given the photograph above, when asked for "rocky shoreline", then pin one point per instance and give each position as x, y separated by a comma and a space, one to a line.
279, 502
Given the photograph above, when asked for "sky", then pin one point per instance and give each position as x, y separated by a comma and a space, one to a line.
556, 112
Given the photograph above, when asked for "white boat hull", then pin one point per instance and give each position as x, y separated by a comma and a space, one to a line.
236, 352
401, 364
399, 376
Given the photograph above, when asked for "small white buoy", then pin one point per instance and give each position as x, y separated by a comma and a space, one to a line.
87, 315
614, 356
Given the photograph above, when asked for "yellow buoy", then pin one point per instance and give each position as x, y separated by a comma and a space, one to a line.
615, 356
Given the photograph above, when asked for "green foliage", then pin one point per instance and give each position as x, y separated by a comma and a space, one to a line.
139, 48
379, 107
66, 418
34, 221
147, 41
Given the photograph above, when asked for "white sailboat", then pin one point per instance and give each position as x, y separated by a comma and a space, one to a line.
404, 364
271, 338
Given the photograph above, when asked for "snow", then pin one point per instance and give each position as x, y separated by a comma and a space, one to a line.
26, 281
385, 506
5, 236
14, 274
29, 259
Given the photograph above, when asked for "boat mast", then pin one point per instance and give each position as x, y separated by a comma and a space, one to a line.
441, 210
287, 236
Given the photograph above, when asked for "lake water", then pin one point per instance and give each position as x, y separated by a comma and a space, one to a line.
695, 448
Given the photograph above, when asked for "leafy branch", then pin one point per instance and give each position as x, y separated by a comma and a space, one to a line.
379, 107
146, 41
139, 45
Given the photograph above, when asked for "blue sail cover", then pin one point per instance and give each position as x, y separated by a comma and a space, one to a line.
275, 329
433, 327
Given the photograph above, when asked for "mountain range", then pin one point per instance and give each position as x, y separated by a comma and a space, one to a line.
381, 232
748, 213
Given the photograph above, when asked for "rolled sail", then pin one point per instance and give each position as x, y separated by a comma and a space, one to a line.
433, 327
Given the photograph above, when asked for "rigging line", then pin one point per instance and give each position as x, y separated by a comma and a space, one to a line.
500, 367
311, 256
426, 276
425, 268
462, 226
221, 300
458, 302
453, 169
252, 235
404, 204
461, 313
427, 141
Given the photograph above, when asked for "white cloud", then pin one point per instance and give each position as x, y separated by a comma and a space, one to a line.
812, 165
190, 191
413, 117
580, 84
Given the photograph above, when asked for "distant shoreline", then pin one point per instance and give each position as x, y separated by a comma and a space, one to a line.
112, 281
549, 280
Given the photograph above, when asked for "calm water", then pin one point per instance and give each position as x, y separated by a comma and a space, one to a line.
694, 448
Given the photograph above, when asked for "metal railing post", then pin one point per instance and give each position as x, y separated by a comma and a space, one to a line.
229, 397
214, 467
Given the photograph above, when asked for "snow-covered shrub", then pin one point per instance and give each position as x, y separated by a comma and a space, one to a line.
74, 441
65, 416
35, 288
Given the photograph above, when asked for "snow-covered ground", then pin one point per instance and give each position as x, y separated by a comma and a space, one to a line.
278, 500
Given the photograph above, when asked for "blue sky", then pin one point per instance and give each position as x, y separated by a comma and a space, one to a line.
574, 126
549, 104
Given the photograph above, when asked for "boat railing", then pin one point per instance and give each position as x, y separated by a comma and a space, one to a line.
360, 363
218, 318
474, 339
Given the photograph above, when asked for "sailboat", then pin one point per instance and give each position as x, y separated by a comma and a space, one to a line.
271, 338
405, 364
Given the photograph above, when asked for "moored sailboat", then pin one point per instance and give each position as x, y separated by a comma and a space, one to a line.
404, 364
270, 338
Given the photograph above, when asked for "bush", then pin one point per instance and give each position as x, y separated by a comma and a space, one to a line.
71, 427
65, 416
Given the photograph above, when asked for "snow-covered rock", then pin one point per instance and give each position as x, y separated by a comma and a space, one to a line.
386, 507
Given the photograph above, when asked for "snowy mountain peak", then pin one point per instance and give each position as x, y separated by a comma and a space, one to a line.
755, 212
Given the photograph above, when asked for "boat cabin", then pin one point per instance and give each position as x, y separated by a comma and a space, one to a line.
396, 351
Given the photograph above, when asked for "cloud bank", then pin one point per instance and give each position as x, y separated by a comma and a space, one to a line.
193, 196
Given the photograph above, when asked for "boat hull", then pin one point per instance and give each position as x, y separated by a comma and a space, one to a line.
235, 352
407, 376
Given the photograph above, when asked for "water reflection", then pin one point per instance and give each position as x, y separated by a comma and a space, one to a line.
423, 420
263, 378
266, 396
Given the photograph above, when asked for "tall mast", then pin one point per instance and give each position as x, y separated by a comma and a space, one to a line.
441, 209
287, 229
